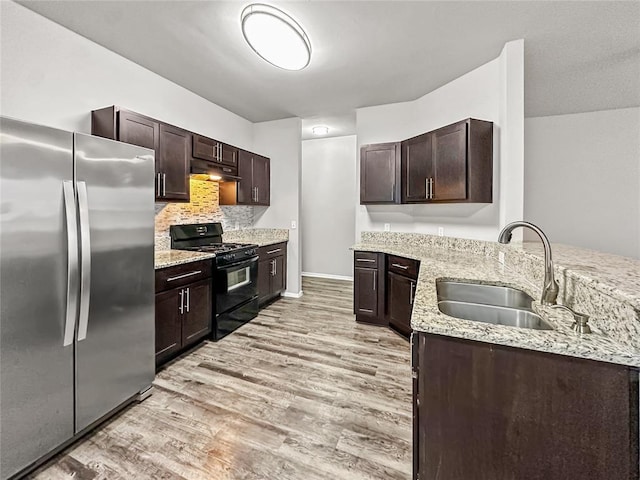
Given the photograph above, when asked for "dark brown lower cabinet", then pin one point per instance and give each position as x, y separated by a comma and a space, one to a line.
401, 291
272, 272
369, 287
184, 313
489, 412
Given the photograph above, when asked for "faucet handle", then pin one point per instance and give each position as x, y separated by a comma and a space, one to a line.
581, 320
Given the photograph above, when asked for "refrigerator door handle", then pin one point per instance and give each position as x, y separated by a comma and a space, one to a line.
72, 261
85, 252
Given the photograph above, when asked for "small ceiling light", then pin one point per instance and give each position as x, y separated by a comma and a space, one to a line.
215, 177
276, 37
320, 130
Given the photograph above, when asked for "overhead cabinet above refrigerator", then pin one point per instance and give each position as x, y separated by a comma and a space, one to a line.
77, 286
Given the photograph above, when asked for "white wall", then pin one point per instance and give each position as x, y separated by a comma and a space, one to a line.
494, 92
582, 179
328, 185
53, 76
280, 140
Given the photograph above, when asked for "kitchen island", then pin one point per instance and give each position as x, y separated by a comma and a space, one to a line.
499, 402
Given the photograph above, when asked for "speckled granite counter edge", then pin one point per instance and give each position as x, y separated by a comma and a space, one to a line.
171, 258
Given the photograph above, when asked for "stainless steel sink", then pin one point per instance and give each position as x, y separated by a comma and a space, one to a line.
496, 315
458, 291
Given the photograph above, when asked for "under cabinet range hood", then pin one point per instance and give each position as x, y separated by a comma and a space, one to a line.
210, 169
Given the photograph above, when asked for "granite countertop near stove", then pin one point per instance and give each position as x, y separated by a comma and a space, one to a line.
170, 258
477, 261
258, 236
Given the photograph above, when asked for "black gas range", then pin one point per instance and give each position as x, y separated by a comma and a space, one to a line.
235, 279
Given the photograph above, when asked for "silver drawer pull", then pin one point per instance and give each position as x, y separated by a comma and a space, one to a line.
190, 274
274, 251
365, 260
400, 266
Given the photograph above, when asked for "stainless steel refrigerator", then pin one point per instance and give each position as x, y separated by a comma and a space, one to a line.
76, 285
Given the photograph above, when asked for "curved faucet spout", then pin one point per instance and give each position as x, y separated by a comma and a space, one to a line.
550, 288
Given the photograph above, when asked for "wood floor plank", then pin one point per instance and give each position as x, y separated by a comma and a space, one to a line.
302, 392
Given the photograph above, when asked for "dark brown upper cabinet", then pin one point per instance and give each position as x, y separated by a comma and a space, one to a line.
213, 151
453, 164
380, 173
254, 187
172, 147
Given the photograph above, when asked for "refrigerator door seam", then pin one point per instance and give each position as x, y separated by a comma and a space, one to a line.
85, 252
72, 262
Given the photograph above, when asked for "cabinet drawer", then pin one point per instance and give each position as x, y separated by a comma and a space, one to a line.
365, 259
179, 275
403, 266
271, 251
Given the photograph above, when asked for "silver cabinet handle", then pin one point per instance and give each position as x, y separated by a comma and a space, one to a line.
368, 260
72, 262
219, 152
184, 275
188, 300
375, 276
427, 181
181, 300
164, 184
257, 194
404, 267
85, 255
431, 188
411, 293
272, 272
275, 267
274, 251
159, 184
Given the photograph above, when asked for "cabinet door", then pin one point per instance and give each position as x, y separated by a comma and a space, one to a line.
278, 279
168, 323
265, 269
379, 172
450, 162
245, 193
173, 163
204, 148
417, 168
400, 293
138, 130
365, 291
196, 322
261, 180
229, 155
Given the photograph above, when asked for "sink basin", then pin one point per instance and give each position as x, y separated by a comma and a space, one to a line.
496, 315
484, 294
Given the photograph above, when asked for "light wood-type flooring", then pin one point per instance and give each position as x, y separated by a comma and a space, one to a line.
300, 393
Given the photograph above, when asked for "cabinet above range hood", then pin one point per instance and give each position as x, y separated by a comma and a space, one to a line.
204, 167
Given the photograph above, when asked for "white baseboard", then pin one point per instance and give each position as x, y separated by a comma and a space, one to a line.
327, 275
292, 295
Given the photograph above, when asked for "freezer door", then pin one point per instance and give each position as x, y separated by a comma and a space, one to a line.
115, 336
36, 369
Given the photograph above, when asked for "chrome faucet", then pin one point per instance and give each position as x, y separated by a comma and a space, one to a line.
551, 287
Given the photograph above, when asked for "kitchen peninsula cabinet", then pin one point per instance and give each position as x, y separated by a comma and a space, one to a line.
184, 300
486, 411
172, 147
254, 186
272, 271
402, 278
369, 288
453, 164
380, 173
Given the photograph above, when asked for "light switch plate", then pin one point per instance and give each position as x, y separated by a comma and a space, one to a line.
294, 224
387, 227
441, 231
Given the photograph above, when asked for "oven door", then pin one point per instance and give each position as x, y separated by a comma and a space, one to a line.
236, 284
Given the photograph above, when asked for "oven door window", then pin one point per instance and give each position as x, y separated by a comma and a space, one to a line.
238, 278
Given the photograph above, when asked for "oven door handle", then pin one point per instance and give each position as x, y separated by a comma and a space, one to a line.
235, 266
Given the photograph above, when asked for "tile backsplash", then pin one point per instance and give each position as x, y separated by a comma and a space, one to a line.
203, 207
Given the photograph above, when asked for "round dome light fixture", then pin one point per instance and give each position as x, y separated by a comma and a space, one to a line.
320, 130
275, 36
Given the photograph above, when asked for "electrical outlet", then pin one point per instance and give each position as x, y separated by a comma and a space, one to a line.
294, 224
441, 231
501, 257
387, 227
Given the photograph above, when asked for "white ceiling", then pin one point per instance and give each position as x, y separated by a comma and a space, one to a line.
579, 56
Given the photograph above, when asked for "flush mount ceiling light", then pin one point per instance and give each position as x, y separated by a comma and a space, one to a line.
276, 37
320, 130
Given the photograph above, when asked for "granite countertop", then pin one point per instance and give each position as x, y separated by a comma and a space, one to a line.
170, 258
481, 267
